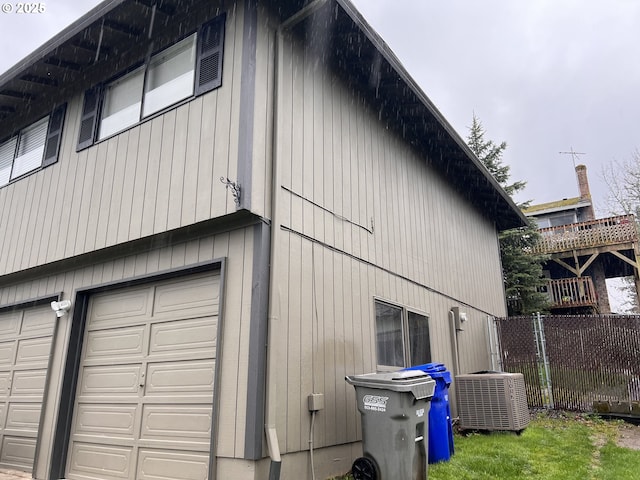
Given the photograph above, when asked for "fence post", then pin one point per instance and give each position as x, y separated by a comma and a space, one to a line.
541, 346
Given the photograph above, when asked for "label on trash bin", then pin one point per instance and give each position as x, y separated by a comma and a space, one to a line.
420, 412
375, 403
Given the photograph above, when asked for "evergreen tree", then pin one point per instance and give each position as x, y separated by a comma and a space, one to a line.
522, 271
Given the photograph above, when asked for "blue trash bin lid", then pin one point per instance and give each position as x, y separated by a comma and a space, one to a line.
435, 371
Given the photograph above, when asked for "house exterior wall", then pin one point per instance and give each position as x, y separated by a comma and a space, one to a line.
355, 214
235, 247
359, 215
159, 175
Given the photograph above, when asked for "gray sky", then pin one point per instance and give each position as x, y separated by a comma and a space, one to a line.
543, 75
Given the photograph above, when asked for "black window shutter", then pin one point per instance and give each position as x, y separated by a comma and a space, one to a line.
89, 118
210, 49
54, 136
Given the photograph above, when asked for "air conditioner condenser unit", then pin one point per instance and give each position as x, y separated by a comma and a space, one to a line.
492, 401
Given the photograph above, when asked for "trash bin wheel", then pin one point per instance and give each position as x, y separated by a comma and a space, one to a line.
364, 469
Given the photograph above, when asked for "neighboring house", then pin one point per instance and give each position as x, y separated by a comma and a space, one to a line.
243, 202
583, 251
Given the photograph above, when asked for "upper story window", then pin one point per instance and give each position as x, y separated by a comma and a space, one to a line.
33, 147
556, 220
170, 77
190, 67
122, 102
402, 337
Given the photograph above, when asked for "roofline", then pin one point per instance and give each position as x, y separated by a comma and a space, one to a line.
69, 32
501, 221
395, 63
559, 208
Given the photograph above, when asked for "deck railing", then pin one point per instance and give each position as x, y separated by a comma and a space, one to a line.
594, 233
572, 292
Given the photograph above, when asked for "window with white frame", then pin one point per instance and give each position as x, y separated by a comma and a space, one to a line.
170, 76
122, 103
192, 66
402, 337
32, 147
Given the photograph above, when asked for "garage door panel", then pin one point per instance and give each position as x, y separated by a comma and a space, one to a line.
10, 324
166, 422
23, 416
7, 354
24, 359
143, 405
18, 452
33, 351
111, 380
120, 308
37, 322
121, 342
5, 383
190, 336
172, 465
106, 420
187, 298
29, 383
101, 461
180, 378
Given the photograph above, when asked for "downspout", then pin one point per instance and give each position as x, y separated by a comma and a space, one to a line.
274, 293
454, 344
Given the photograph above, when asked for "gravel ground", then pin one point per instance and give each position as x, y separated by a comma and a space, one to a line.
629, 436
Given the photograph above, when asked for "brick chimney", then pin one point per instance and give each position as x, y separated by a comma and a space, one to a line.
585, 194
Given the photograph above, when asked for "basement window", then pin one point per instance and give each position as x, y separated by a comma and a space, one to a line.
188, 68
402, 337
32, 148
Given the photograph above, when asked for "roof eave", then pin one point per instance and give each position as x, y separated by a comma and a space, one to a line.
58, 40
513, 216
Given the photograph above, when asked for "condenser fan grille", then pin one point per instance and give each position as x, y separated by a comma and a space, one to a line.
492, 401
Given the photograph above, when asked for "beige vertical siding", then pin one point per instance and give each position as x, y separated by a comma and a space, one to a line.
159, 175
363, 216
383, 203
236, 246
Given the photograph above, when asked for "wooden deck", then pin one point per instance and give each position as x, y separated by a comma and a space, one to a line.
595, 233
572, 292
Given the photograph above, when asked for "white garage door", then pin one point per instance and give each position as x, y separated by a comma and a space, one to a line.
145, 385
25, 346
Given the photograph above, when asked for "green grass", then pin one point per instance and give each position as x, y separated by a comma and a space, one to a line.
570, 447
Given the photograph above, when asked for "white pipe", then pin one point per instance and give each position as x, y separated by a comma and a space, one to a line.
273, 365
454, 343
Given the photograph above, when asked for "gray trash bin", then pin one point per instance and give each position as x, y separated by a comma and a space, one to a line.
395, 424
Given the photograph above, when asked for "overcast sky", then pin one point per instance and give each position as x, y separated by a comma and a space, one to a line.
543, 75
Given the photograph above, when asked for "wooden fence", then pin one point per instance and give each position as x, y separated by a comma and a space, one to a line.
590, 360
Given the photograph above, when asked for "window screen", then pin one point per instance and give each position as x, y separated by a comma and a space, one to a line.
30, 148
402, 337
7, 152
122, 102
389, 338
419, 342
170, 77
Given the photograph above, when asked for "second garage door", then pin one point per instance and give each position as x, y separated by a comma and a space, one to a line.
143, 406
25, 345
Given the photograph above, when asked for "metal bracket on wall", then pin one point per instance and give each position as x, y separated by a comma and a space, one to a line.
235, 189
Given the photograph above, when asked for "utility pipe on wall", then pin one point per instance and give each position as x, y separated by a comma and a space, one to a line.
274, 294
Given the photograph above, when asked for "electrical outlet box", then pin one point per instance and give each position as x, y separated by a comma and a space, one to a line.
459, 317
316, 401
